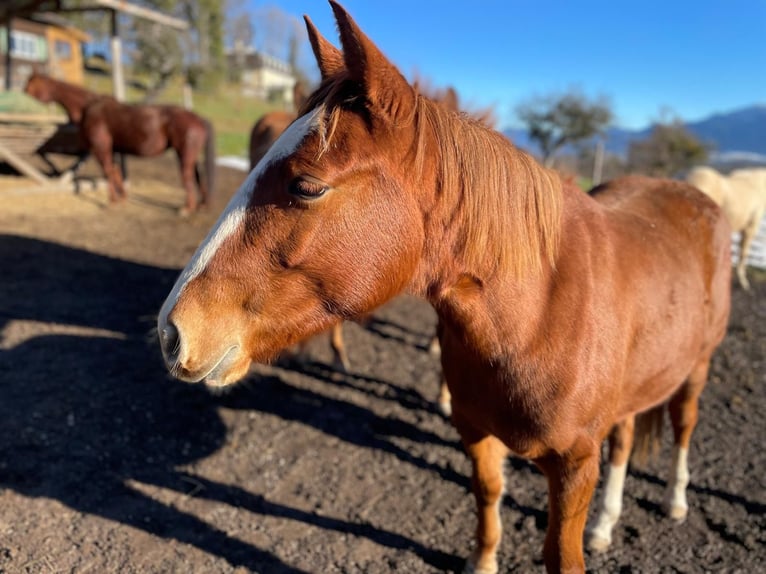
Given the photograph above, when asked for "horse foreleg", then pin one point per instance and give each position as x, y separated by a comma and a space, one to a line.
683, 416
572, 478
118, 174
487, 455
104, 157
340, 357
620, 444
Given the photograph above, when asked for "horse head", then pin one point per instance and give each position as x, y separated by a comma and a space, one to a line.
38, 86
324, 228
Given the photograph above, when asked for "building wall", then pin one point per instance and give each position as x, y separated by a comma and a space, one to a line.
64, 56
51, 49
268, 84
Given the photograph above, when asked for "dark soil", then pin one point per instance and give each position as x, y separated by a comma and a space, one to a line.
108, 465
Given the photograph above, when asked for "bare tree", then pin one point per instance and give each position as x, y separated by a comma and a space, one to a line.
669, 150
157, 56
554, 121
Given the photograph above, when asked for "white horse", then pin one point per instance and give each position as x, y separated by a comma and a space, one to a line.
742, 197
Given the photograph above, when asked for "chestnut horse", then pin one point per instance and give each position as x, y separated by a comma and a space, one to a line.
108, 126
563, 315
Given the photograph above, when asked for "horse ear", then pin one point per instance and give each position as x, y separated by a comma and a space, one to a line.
329, 58
385, 87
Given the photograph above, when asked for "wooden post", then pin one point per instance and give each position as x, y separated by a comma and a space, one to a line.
118, 79
188, 100
8, 58
598, 162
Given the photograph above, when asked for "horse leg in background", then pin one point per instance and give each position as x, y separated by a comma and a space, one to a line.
572, 478
340, 358
189, 177
620, 444
748, 234
683, 416
444, 402
103, 153
201, 185
80, 160
487, 454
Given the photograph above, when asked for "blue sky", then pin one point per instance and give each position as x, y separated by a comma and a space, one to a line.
689, 59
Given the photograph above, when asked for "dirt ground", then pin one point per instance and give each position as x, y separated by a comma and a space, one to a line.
107, 465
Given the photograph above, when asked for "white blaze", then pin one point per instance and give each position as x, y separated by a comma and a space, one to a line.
233, 216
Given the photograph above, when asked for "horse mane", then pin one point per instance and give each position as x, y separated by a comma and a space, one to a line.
503, 200
71, 88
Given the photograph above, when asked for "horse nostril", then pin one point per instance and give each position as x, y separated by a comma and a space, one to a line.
170, 341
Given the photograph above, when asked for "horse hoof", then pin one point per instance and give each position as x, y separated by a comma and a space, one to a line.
598, 543
488, 566
676, 512
470, 569
184, 212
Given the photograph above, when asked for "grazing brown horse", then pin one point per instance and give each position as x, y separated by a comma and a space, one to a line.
108, 126
563, 315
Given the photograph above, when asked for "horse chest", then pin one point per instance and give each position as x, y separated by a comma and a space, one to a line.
492, 401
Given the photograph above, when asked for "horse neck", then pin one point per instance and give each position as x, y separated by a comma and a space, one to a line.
492, 216
73, 99
503, 313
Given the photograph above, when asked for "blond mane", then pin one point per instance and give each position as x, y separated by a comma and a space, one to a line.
508, 206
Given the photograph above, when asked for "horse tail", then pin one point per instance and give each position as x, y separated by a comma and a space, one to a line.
210, 158
647, 435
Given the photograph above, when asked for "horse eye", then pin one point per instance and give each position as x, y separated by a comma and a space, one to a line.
307, 189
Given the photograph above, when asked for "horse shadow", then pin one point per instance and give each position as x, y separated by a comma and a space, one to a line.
408, 398
388, 329
351, 423
88, 410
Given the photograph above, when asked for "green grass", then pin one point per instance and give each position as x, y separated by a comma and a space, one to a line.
17, 102
231, 113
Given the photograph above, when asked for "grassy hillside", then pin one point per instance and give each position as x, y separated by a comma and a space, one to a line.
231, 113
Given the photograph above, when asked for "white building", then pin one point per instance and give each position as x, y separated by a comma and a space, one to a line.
262, 76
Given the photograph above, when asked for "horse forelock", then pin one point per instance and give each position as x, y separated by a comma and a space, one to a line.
232, 218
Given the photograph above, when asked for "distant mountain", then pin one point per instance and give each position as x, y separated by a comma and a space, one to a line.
738, 131
739, 135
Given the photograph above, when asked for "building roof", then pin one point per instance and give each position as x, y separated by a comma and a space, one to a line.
51, 19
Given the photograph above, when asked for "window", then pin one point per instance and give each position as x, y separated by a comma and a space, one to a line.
24, 45
63, 49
